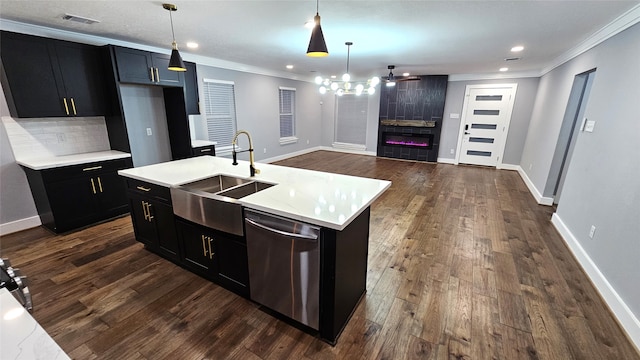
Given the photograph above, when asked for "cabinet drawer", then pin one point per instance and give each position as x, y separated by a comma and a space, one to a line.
87, 169
158, 192
204, 150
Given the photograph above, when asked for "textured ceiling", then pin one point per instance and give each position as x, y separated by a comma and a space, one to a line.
421, 37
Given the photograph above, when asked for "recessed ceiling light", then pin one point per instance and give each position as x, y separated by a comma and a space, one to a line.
504, 69
289, 67
405, 74
333, 76
192, 45
517, 48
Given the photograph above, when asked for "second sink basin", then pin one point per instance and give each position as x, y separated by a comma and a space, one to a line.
241, 191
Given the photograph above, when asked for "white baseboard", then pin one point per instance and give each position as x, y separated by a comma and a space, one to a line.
508, 167
290, 155
19, 225
624, 315
532, 188
349, 151
447, 161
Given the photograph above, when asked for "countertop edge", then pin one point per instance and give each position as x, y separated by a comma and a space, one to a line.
60, 161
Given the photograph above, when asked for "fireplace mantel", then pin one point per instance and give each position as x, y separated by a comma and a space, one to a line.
410, 123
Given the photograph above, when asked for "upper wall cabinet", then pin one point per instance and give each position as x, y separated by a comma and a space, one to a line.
43, 77
191, 89
143, 67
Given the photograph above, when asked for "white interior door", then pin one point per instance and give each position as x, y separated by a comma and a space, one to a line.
485, 123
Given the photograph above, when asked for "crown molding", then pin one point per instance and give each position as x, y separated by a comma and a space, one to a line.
621, 23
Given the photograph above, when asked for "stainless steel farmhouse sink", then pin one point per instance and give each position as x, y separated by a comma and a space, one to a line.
212, 202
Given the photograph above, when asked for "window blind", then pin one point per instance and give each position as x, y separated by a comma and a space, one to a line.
287, 112
351, 119
220, 112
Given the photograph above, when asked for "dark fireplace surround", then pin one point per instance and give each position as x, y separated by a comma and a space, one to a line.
411, 118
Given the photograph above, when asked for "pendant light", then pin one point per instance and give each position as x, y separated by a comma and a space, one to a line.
345, 86
175, 62
317, 46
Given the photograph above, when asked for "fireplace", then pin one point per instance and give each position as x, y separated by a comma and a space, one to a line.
410, 118
419, 141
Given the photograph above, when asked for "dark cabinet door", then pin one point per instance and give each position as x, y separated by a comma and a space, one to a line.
191, 89
83, 77
233, 270
73, 202
198, 248
30, 79
143, 225
134, 66
112, 193
164, 75
166, 229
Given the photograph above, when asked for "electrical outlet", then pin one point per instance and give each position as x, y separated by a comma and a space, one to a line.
592, 231
307, 141
264, 151
530, 166
149, 133
452, 151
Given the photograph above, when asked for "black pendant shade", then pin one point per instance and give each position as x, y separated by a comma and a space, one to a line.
317, 46
175, 62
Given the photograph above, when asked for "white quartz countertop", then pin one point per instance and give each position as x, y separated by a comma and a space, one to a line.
320, 198
199, 143
41, 163
21, 337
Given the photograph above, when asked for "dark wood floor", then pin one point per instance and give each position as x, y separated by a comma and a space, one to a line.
463, 264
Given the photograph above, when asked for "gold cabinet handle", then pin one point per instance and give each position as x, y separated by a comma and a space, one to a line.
93, 186
204, 246
100, 184
157, 75
149, 211
73, 106
205, 150
152, 77
66, 107
144, 210
143, 188
92, 168
210, 251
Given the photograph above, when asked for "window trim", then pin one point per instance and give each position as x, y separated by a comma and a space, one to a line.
284, 140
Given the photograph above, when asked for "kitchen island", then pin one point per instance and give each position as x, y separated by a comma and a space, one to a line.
338, 205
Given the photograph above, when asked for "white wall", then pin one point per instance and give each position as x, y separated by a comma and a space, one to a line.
17, 208
522, 107
257, 110
602, 186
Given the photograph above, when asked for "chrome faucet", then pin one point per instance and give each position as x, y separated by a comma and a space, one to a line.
252, 169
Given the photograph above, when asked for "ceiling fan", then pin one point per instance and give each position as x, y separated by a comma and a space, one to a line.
391, 79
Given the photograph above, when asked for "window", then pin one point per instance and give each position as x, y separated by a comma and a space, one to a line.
220, 113
287, 115
351, 122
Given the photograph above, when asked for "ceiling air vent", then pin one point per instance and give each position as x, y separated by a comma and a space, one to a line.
512, 59
80, 19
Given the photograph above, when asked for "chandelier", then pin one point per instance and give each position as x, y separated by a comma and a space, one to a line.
346, 85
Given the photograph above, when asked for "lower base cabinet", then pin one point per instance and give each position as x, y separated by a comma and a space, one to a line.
216, 255
72, 197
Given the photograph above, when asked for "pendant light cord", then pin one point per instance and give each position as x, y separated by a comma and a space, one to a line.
171, 19
348, 53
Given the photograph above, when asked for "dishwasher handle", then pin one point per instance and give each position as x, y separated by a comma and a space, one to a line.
280, 232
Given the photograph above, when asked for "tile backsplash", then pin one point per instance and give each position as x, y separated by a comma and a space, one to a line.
42, 137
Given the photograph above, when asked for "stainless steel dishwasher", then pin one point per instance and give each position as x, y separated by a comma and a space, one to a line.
284, 265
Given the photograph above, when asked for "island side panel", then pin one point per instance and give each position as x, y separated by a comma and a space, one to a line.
344, 274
